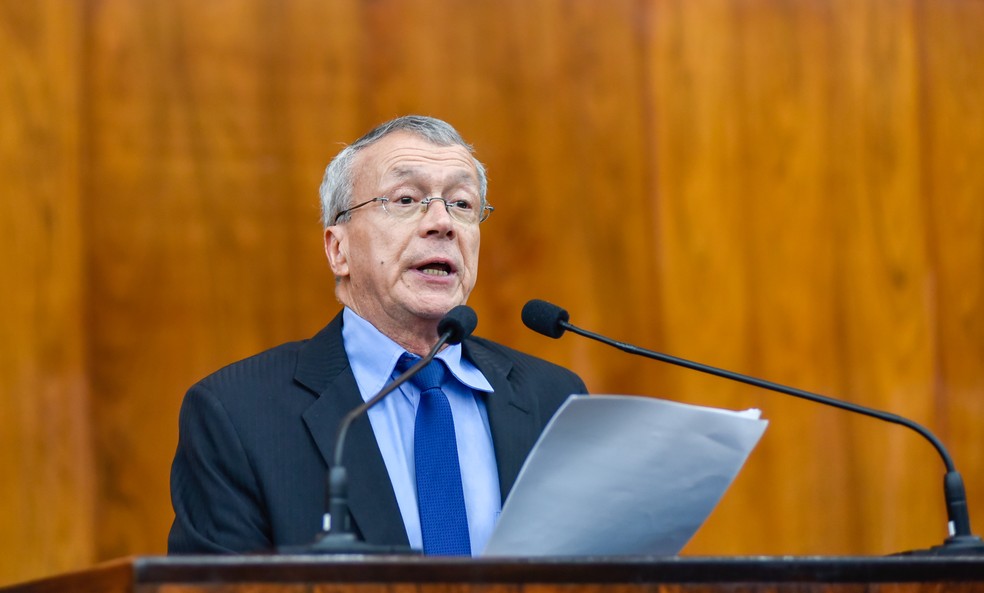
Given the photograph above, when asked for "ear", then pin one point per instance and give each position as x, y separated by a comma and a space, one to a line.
336, 250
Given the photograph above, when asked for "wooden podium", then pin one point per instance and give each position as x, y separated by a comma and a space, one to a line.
348, 574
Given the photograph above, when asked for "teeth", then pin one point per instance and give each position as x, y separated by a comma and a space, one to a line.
434, 272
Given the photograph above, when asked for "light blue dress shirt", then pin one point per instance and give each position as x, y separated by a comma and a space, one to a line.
373, 357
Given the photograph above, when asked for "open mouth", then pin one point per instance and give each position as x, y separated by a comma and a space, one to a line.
436, 268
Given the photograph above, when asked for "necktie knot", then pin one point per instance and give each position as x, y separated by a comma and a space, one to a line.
429, 377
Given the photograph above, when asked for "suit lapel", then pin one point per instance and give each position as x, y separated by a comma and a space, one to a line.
323, 367
511, 417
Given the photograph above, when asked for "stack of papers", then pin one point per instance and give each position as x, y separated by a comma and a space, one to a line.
621, 475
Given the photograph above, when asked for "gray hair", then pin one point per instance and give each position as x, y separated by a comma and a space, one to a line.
337, 184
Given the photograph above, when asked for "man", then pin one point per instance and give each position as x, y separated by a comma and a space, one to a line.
401, 210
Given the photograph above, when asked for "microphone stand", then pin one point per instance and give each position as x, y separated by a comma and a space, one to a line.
961, 540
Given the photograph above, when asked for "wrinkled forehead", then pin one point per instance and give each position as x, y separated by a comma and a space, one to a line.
403, 157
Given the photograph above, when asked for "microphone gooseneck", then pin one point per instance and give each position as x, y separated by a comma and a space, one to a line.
552, 321
337, 535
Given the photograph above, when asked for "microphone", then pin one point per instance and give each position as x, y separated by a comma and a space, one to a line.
552, 321
337, 536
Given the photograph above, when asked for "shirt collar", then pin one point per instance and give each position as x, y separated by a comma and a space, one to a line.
373, 354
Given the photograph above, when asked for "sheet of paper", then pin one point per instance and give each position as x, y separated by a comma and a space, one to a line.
623, 475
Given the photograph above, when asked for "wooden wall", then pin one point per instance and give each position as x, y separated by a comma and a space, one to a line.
788, 188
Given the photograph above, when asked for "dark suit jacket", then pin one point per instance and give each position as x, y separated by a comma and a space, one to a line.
256, 439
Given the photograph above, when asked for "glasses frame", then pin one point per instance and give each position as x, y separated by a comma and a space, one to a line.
483, 215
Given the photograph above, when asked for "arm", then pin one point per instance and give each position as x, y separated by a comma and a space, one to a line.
218, 506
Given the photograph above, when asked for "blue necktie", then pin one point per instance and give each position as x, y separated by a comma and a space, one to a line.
440, 499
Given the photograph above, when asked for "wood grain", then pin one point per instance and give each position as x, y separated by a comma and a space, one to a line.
46, 452
784, 188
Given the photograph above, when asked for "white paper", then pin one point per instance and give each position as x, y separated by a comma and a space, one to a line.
623, 475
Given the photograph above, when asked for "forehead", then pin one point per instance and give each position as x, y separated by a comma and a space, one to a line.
402, 155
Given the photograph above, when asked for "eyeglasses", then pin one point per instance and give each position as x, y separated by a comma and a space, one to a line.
408, 207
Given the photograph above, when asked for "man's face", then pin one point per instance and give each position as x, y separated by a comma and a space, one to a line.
400, 274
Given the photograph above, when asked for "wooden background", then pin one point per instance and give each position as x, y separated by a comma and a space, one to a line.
788, 188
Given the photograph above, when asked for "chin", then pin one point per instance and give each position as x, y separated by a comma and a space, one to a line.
435, 309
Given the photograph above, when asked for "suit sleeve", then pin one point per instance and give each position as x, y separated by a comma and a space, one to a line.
218, 507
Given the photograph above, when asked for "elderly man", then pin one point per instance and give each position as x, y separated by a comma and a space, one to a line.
433, 462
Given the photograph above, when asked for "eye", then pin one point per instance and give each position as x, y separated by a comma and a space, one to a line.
463, 201
405, 200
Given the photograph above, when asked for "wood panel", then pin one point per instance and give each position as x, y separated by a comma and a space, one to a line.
784, 188
746, 219
45, 446
799, 232
205, 237
952, 89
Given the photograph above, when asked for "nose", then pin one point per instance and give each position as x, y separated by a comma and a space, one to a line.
427, 204
437, 219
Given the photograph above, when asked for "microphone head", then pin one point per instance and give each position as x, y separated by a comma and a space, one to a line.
545, 318
460, 322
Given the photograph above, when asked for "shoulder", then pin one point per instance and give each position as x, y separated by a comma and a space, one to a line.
248, 398
521, 366
275, 365
308, 363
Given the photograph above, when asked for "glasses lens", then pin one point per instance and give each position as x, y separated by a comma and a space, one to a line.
402, 207
464, 211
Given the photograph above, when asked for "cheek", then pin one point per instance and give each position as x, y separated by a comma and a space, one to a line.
469, 251
469, 245
473, 253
